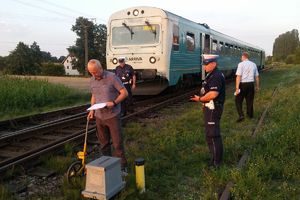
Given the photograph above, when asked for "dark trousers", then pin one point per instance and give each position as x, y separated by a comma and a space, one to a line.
111, 129
247, 92
212, 132
128, 101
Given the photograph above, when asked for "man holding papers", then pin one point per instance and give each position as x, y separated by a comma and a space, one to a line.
108, 92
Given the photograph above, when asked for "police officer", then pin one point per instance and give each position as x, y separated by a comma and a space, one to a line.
212, 96
126, 74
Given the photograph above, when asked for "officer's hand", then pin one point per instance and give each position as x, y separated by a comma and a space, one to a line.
110, 104
195, 98
90, 115
133, 86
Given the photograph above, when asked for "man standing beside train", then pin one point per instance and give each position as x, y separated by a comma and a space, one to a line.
126, 74
107, 88
246, 73
213, 97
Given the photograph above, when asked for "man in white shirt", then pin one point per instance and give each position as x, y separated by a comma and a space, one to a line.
246, 75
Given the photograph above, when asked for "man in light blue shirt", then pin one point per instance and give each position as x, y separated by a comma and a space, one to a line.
246, 74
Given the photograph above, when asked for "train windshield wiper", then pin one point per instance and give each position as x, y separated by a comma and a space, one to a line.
152, 30
129, 29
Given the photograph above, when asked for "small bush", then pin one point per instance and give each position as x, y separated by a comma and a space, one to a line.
52, 69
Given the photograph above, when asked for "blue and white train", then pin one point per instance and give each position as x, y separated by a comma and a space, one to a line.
165, 49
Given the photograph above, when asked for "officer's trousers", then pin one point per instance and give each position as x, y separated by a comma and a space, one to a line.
128, 101
212, 132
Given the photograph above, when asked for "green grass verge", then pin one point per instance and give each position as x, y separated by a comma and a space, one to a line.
176, 153
28, 96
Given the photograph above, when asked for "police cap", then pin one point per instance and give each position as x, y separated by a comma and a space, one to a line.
121, 59
208, 58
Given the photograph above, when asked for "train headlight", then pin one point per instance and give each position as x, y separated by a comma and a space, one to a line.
114, 61
152, 60
135, 12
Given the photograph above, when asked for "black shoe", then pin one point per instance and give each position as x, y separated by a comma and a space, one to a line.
240, 119
210, 163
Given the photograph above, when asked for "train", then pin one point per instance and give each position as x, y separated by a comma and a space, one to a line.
166, 50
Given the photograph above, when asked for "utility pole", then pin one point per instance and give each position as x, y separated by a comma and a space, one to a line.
86, 53
86, 48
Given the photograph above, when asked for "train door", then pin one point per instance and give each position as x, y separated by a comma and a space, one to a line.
207, 48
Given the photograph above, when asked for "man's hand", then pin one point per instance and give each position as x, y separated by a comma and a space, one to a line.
237, 91
90, 115
195, 98
257, 88
110, 104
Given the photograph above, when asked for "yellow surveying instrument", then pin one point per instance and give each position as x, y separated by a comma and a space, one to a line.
77, 168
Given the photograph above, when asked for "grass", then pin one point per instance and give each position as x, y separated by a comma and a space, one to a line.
28, 96
176, 153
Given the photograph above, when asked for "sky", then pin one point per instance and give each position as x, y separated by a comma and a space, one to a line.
49, 22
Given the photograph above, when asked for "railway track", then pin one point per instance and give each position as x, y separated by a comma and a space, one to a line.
53, 130
17, 147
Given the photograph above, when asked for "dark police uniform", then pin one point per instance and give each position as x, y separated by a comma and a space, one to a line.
125, 74
214, 81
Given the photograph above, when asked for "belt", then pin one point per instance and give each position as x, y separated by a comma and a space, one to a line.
126, 82
247, 82
218, 103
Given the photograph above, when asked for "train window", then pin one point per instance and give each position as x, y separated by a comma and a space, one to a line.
221, 46
135, 35
175, 45
214, 46
190, 41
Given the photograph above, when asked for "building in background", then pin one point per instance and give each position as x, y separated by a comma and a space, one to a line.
69, 68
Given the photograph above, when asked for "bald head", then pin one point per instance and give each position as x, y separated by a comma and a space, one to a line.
95, 68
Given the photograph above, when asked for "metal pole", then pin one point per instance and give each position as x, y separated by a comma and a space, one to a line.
85, 46
140, 174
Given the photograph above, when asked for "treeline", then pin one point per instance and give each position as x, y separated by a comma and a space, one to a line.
286, 48
30, 60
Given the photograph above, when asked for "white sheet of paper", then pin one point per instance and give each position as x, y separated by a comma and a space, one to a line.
97, 106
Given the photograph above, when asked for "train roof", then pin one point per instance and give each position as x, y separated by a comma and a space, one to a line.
166, 14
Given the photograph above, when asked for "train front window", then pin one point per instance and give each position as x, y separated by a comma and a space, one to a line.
135, 35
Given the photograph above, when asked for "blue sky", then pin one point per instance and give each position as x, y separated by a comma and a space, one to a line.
49, 22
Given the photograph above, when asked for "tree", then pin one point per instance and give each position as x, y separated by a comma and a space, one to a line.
96, 35
285, 44
3, 63
21, 60
61, 59
297, 56
36, 53
290, 59
47, 57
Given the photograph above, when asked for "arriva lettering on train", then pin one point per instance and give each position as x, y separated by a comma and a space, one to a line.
135, 58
